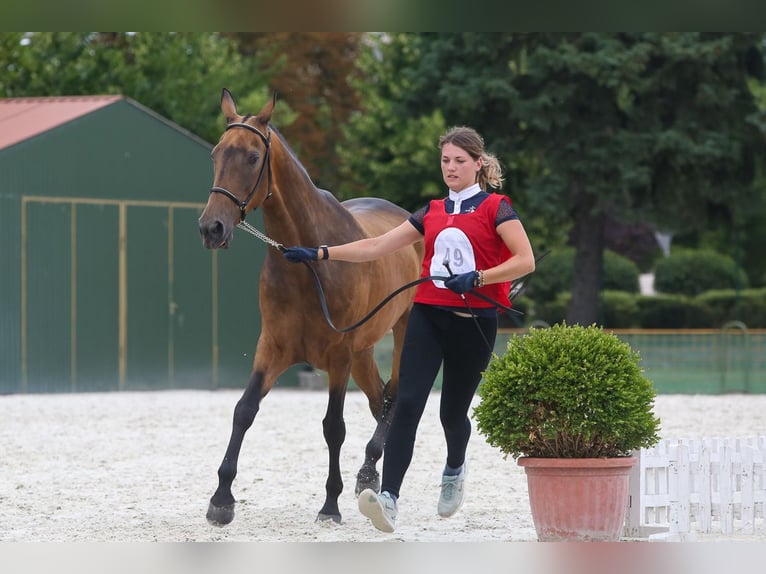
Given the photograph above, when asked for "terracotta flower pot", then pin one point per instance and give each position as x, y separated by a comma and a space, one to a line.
578, 499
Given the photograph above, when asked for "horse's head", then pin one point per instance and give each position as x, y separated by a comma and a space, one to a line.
241, 172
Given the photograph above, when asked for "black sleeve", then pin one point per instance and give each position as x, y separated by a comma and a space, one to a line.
416, 219
505, 212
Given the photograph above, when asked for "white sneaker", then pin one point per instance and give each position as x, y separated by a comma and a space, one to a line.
452, 493
379, 508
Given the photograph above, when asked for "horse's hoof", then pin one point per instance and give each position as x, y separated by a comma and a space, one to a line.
367, 480
220, 515
325, 517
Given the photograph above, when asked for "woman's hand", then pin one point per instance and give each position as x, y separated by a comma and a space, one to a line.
462, 282
300, 254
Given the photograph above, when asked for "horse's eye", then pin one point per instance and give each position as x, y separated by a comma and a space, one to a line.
252, 158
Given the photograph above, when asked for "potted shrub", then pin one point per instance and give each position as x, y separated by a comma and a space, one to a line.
570, 404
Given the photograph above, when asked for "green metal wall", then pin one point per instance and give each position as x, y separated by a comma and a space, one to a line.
104, 283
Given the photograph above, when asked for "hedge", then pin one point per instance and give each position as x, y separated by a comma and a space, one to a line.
691, 272
709, 310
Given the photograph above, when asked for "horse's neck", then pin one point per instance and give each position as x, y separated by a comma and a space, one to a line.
296, 207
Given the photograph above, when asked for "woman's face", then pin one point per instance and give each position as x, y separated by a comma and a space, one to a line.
459, 169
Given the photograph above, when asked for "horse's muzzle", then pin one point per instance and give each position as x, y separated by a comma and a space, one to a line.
215, 234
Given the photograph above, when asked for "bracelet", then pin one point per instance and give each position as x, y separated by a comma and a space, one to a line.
479, 281
325, 252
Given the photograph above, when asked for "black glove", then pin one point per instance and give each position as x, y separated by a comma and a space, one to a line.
298, 254
462, 282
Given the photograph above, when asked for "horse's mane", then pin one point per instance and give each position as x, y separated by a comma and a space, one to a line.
291, 152
324, 192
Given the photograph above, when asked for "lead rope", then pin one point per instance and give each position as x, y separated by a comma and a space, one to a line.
323, 300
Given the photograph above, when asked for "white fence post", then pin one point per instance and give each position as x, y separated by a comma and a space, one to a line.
682, 487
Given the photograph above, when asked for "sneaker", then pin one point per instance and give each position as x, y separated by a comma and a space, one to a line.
452, 493
379, 508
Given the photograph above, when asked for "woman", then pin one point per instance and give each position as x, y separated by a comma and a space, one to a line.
477, 240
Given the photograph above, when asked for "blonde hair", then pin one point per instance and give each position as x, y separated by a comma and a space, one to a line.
468, 139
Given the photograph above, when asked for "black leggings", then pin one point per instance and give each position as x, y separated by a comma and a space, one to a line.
435, 336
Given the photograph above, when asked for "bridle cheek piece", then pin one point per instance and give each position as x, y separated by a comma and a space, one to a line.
266, 163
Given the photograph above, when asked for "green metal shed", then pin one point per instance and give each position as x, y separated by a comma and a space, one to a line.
104, 283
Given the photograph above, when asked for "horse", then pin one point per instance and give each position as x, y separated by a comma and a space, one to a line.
254, 167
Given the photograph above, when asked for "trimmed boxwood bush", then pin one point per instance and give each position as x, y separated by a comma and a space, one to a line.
555, 273
721, 306
620, 273
553, 311
521, 303
567, 392
619, 310
672, 312
690, 272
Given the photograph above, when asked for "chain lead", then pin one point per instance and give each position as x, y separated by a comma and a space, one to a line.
263, 237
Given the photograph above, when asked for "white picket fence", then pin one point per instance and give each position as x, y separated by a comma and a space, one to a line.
682, 487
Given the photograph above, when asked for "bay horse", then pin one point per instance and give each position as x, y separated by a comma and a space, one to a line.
255, 168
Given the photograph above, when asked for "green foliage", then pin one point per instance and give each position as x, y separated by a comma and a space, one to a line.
655, 127
385, 152
567, 392
512, 320
671, 312
724, 305
620, 273
555, 310
619, 310
690, 272
709, 310
555, 274
176, 74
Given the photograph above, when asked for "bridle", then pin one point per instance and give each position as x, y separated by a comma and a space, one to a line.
266, 163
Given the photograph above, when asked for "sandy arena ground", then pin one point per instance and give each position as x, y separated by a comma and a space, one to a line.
136, 467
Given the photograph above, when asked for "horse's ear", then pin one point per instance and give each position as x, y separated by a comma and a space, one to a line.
264, 116
228, 107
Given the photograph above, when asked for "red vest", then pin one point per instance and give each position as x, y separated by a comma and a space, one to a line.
467, 241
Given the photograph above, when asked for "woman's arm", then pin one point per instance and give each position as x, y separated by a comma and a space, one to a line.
373, 247
523, 261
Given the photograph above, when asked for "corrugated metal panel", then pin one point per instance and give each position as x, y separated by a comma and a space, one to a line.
10, 292
47, 299
97, 298
192, 309
148, 323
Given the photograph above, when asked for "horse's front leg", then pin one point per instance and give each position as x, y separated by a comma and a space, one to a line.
334, 430
221, 509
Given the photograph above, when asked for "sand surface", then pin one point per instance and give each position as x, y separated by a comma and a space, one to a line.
135, 467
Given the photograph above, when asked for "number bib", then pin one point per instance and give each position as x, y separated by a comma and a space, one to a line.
465, 242
452, 247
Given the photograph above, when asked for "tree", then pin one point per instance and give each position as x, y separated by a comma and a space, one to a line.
178, 75
639, 127
310, 71
388, 151
654, 126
